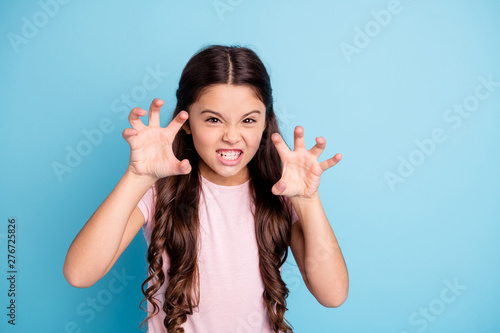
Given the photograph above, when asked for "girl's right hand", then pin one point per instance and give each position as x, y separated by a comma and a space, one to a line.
151, 146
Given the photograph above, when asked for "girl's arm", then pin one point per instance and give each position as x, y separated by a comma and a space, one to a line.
95, 248
313, 243
317, 253
117, 220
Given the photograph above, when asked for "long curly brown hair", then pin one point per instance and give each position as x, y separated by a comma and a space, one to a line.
176, 226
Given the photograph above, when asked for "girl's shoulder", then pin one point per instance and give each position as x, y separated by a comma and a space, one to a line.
147, 202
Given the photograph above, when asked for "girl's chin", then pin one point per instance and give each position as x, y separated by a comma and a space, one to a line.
227, 173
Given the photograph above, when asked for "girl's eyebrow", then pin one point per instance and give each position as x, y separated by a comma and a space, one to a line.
220, 116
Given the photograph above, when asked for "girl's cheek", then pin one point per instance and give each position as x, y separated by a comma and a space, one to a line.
253, 138
212, 135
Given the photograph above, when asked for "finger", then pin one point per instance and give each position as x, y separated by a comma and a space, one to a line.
298, 138
128, 133
318, 147
280, 145
154, 112
134, 120
279, 187
175, 125
325, 165
184, 167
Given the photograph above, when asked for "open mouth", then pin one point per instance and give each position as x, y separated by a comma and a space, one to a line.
229, 154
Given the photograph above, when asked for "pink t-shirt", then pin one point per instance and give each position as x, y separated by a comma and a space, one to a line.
231, 285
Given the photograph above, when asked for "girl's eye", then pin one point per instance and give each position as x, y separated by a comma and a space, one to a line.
212, 120
249, 121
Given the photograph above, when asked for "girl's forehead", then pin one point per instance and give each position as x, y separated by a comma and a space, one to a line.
228, 98
228, 92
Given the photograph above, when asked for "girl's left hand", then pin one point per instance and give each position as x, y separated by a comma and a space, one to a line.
301, 169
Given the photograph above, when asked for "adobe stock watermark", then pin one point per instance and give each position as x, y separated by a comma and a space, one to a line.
288, 271
322, 252
426, 147
138, 93
94, 137
223, 6
363, 37
88, 310
292, 275
31, 27
283, 116
424, 315
254, 319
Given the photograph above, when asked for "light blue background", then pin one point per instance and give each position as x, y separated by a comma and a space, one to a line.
400, 244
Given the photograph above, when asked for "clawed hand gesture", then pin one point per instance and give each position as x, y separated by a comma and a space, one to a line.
151, 146
151, 153
301, 169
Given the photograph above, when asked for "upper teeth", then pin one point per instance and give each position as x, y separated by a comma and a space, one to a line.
229, 155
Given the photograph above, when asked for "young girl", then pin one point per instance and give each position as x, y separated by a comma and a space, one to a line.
220, 197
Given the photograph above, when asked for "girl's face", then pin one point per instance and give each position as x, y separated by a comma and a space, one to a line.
226, 123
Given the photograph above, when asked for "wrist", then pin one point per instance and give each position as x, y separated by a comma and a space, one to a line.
304, 206
133, 175
302, 199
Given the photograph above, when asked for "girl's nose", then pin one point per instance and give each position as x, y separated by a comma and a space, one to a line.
231, 135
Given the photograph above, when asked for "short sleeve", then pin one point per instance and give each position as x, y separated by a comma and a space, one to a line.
146, 204
295, 217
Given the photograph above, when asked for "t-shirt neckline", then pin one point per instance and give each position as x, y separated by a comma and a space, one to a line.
224, 187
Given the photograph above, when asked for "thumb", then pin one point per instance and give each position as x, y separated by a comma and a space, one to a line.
184, 167
279, 187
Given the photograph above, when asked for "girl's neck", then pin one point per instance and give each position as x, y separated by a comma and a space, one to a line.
240, 178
